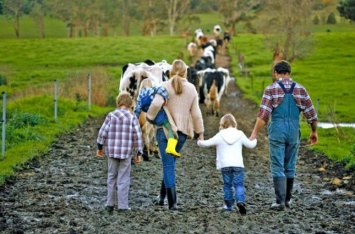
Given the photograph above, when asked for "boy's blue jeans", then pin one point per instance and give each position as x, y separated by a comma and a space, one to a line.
233, 177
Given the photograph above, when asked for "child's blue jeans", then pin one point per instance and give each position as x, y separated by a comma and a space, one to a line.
233, 177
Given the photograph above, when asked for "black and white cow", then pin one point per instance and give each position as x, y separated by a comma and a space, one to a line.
207, 59
227, 78
166, 68
226, 39
192, 48
198, 35
203, 63
213, 85
217, 30
134, 73
131, 78
192, 77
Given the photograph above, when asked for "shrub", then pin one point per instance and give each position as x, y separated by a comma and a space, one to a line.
3, 80
19, 128
316, 20
22, 120
350, 161
331, 19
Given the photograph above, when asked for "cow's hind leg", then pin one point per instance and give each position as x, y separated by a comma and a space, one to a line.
213, 108
217, 108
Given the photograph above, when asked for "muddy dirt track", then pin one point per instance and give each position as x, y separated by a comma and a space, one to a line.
64, 191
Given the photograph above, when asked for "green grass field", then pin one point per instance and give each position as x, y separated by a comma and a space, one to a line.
36, 61
29, 66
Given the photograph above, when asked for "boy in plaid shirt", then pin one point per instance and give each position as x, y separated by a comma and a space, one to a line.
120, 134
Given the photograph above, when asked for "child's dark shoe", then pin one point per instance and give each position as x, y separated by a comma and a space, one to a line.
241, 208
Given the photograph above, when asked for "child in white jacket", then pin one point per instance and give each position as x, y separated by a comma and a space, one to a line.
229, 141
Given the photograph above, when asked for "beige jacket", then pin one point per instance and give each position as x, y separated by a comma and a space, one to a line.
183, 110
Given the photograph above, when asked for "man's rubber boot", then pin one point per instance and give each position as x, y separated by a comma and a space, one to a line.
280, 192
289, 187
170, 148
171, 193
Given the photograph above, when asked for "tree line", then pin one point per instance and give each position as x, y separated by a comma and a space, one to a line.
285, 24
98, 17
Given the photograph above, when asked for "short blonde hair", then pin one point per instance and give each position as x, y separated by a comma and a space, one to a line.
146, 83
227, 121
124, 99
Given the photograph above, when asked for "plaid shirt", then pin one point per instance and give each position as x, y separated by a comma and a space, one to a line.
273, 96
120, 133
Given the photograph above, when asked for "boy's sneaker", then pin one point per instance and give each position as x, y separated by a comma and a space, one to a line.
241, 208
124, 210
109, 209
277, 206
227, 208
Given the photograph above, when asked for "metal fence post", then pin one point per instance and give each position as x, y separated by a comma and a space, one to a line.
3, 124
89, 91
55, 100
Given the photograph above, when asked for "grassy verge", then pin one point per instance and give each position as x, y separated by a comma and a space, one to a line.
31, 128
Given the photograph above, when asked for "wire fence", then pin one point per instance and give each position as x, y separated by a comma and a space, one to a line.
55, 107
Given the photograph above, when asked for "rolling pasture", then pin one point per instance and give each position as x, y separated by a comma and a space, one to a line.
28, 68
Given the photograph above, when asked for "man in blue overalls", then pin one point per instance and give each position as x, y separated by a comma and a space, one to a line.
283, 100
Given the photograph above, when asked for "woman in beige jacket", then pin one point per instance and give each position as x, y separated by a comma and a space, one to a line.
185, 118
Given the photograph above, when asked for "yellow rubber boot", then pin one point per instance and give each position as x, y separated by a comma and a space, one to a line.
170, 148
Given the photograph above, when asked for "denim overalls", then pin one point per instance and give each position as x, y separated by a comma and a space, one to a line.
284, 136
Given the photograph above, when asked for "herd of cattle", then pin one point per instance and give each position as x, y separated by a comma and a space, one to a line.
210, 81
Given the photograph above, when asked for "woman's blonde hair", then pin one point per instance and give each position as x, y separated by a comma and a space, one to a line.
227, 121
178, 71
124, 99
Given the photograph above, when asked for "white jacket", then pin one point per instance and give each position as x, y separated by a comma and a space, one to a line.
229, 144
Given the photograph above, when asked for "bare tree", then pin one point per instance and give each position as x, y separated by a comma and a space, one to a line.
152, 15
37, 13
66, 11
75, 13
13, 10
285, 25
233, 11
176, 10
126, 17
109, 11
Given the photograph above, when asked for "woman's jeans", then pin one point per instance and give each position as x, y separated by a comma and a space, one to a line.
168, 160
233, 177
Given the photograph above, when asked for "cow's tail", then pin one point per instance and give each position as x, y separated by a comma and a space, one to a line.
213, 91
